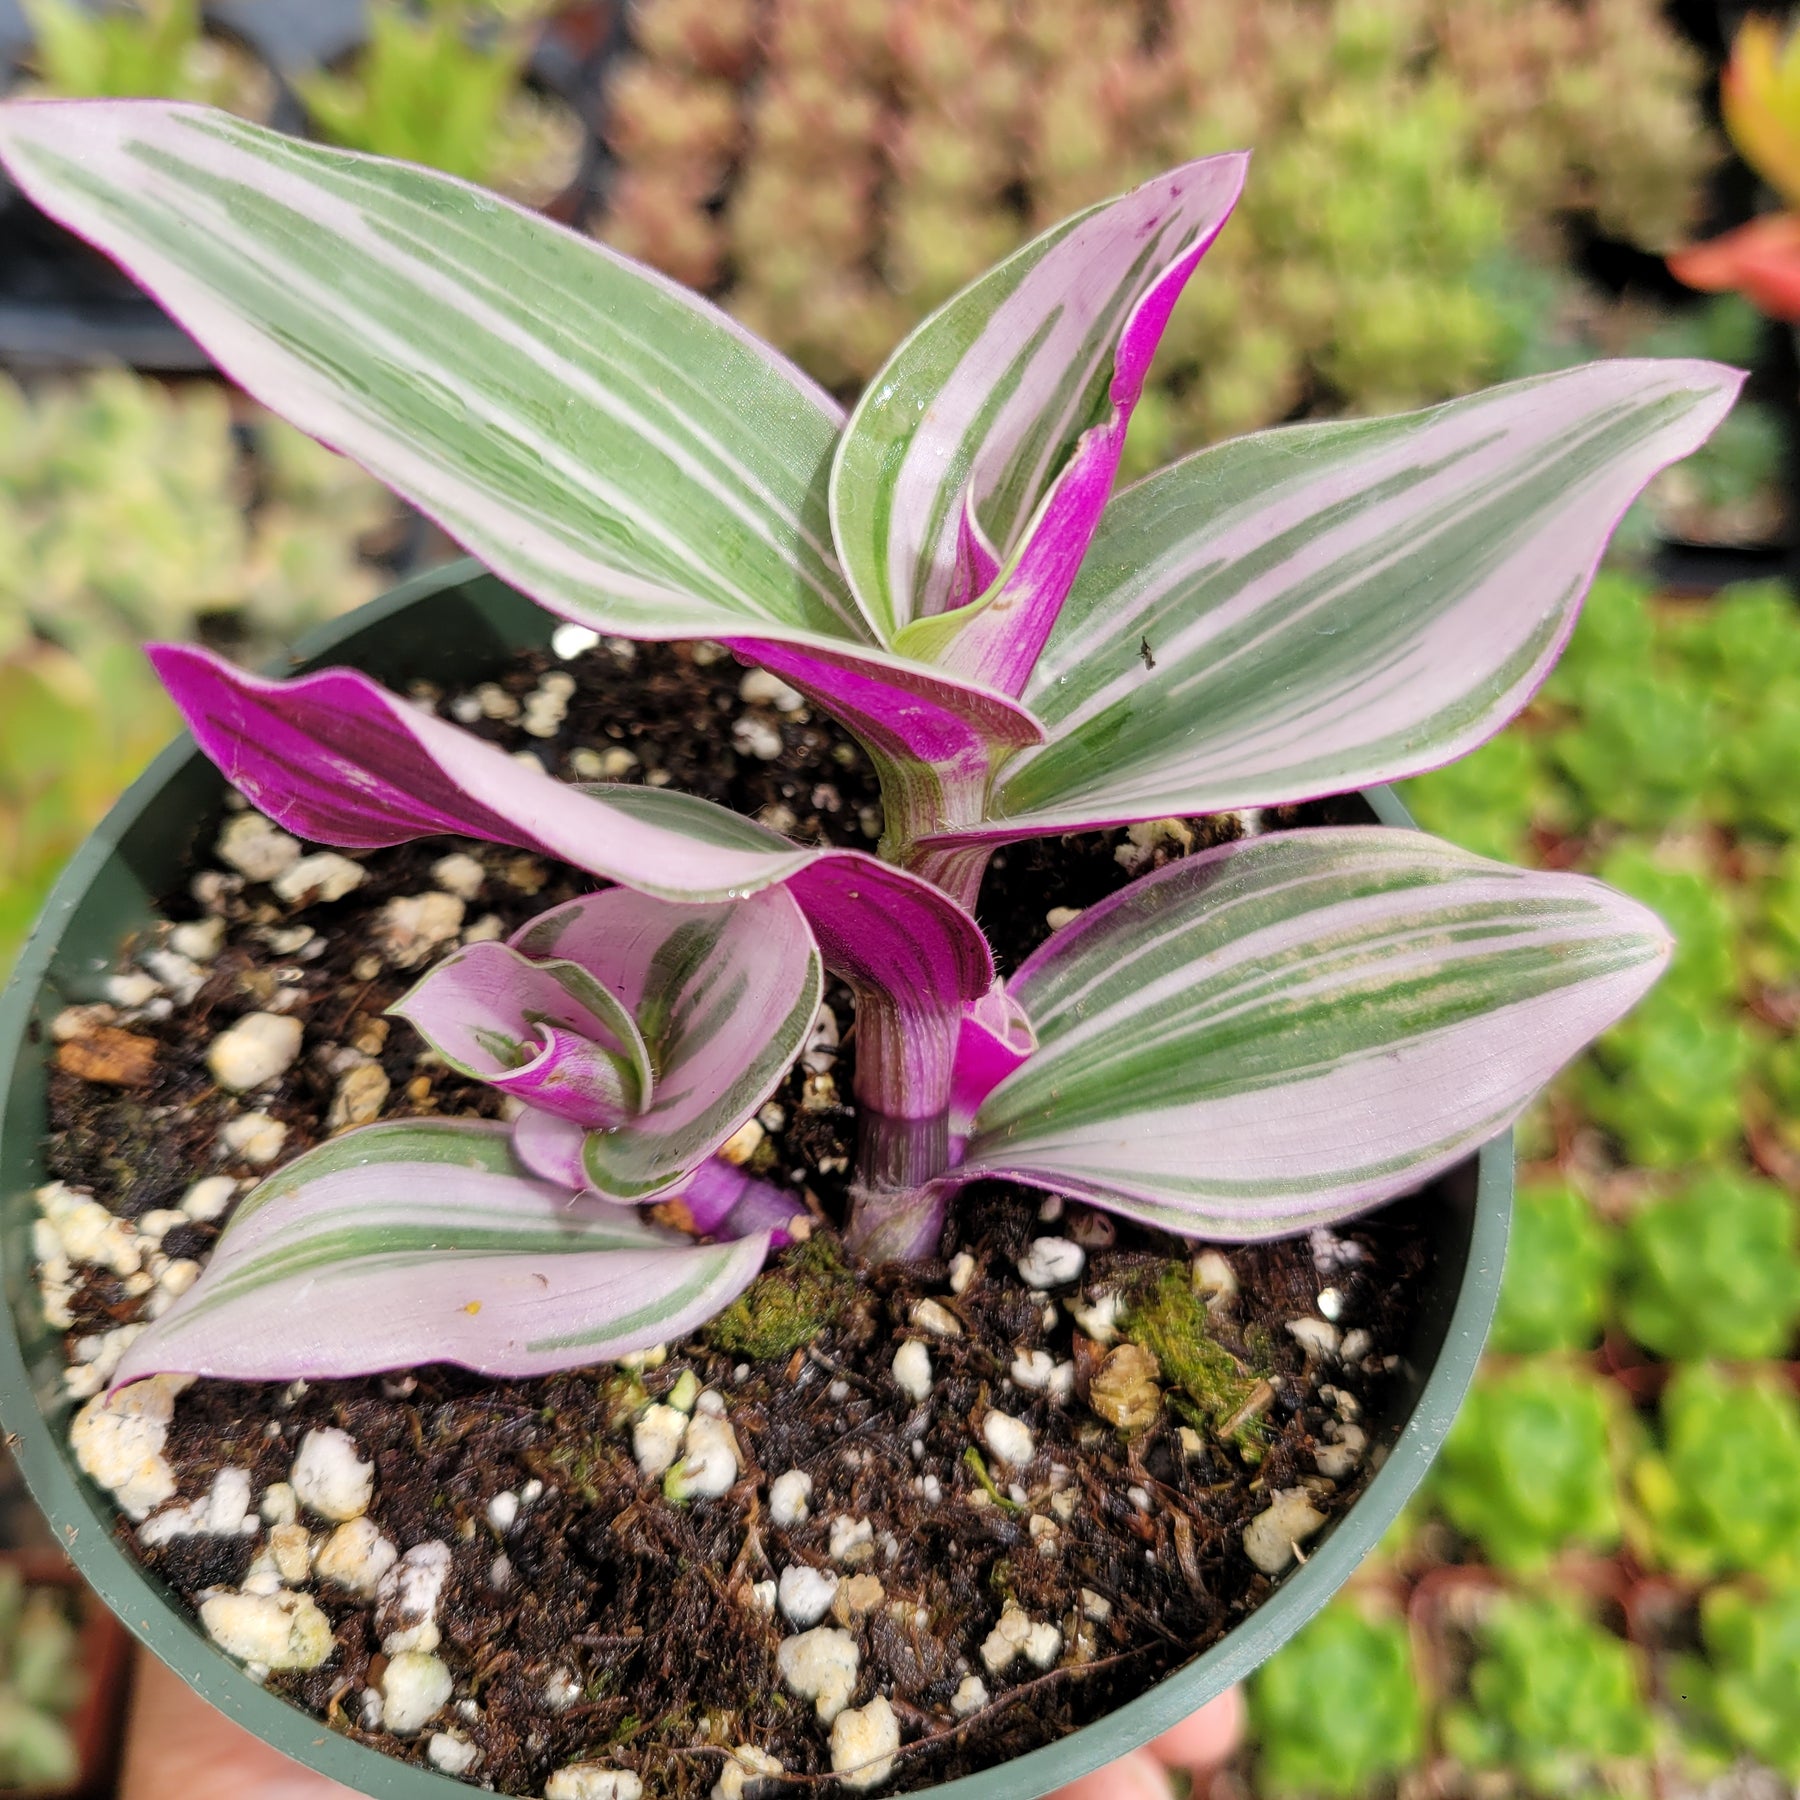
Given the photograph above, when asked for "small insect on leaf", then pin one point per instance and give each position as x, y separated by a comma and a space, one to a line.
1146, 653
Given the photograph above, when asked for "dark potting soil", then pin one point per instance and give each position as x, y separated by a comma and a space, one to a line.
605, 1622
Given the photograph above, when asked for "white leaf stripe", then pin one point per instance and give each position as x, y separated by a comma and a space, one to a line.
328, 277
418, 1243
1293, 1028
1330, 606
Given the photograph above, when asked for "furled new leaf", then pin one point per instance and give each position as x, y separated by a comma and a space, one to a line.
1327, 606
1283, 1031
417, 1242
722, 998
986, 447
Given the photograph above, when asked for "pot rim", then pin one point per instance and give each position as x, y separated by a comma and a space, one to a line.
84, 1518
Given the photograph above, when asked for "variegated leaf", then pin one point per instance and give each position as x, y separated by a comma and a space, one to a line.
723, 998
548, 1033
997, 425
336, 757
1290, 1029
417, 1242
1327, 606
613, 445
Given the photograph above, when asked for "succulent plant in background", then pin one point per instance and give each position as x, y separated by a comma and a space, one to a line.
883, 156
1528, 1469
1713, 1270
442, 84
1739, 1697
126, 511
1553, 1698
1721, 1494
1021, 652
1337, 1710
41, 1681
142, 47
1559, 1267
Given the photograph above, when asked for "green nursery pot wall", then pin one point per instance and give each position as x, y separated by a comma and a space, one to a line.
455, 625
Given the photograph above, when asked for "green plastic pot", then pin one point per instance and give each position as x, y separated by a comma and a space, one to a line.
455, 625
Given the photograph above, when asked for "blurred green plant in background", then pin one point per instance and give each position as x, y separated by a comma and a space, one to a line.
41, 1682
1339, 1711
130, 510
1553, 1700
1409, 153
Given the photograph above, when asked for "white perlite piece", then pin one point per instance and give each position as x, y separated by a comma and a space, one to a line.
656, 1438
760, 688
328, 1476
118, 1440
415, 1687
1317, 1337
1099, 1317
279, 1506
276, 1631
970, 1697
753, 737
1215, 1279
1051, 1262
1010, 1439
200, 940
1271, 1538
962, 1272
224, 1512
360, 1096
503, 1511
1033, 1369
709, 1461
459, 874
355, 1557
1059, 918
805, 1594
788, 1496
98, 1354
450, 1755
912, 1369
863, 1742
256, 847
290, 1549
408, 1597
1339, 1459
411, 926
322, 876
820, 1666
87, 1232
259, 1048
588, 1781
570, 641
852, 1540
936, 1318
745, 1771
209, 1197
255, 1137
1018, 1634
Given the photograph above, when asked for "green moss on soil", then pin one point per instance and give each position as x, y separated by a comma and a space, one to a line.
788, 1306
1167, 1318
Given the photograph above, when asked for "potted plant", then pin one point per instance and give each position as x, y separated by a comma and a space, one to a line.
1066, 1348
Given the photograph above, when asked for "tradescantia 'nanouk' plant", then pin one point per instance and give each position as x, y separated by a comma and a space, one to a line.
1267, 1036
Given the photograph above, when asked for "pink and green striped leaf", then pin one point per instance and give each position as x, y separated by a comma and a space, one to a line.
417, 1242
337, 758
985, 448
548, 1033
722, 998
1290, 1029
614, 446
1323, 607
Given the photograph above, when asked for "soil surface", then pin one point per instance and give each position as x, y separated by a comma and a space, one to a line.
586, 1617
